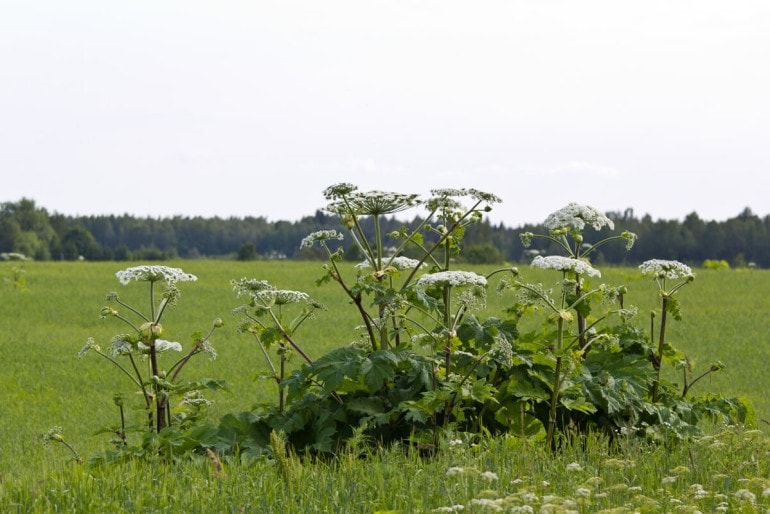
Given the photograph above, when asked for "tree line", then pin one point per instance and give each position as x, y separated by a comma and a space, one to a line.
30, 230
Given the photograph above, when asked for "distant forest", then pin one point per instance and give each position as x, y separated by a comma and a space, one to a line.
32, 231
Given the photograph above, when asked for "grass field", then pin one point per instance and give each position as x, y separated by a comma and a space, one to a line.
44, 385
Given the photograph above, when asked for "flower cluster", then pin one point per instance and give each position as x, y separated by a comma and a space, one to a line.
161, 346
280, 297
376, 203
560, 263
451, 278
154, 274
666, 269
320, 235
121, 345
249, 286
577, 216
400, 263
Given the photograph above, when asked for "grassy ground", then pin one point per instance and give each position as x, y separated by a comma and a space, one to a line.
44, 384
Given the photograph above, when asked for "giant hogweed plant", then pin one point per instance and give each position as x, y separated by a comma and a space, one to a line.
383, 381
422, 365
153, 364
608, 376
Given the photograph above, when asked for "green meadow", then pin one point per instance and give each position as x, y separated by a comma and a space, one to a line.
47, 321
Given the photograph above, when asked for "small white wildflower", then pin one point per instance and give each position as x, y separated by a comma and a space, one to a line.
530, 497
486, 503
635, 489
574, 466
582, 492
455, 442
452, 278
666, 269
154, 274
766, 492
668, 480
516, 481
699, 494
455, 471
577, 216
522, 509
560, 263
489, 475
744, 495
722, 507
320, 235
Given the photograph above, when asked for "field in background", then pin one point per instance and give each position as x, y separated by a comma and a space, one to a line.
43, 328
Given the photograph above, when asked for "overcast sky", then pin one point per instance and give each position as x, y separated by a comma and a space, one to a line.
252, 108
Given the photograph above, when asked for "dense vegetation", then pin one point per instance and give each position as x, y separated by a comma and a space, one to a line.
28, 229
45, 383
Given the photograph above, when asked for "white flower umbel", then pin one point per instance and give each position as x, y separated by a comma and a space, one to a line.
577, 216
120, 345
154, 274
400, 263
560, 263
452, 278
161, 345
250, 286
280, 297
666, 269
375, 203
320, 235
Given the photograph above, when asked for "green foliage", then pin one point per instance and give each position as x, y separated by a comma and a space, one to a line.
716, 264
44, 385
427, 365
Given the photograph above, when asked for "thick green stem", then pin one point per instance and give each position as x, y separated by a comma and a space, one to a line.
160, 403
556, 385
658, 359
581, 321
280, 379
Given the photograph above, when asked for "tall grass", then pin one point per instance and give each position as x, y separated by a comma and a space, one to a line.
44, 384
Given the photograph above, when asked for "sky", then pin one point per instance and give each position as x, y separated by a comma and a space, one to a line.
252, 108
